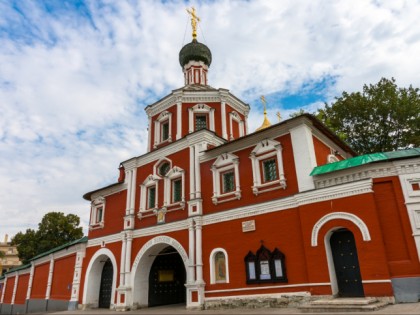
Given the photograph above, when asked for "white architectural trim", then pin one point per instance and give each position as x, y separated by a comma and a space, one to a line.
297, 285
224, 163
200, 109
264, 150
234, 116
212, 265
223, 113
143, 262
343, 216
304, 155
97, 209
174, 174
164, 117
330, 261
93, 278
149, 182
178, 120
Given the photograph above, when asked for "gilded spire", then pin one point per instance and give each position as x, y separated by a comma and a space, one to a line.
266, 123
194, 20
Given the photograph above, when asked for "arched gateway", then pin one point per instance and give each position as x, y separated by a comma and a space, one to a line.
100, 280
159, 273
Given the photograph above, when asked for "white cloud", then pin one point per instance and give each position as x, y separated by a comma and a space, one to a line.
73, 89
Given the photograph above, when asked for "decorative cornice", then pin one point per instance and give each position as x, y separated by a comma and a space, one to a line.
108, 191
373, 170
210, 96
295, 201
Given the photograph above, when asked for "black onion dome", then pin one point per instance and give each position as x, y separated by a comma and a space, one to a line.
195, 51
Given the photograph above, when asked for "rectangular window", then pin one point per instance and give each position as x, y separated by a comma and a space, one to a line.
278, 268
228, 181
151, 197
200, 122
270, 170
177, 190
251, 270
99, 214
165, 130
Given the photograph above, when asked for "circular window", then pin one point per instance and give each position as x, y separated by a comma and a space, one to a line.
164, 168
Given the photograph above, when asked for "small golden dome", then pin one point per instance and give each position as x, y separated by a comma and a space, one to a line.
266, 123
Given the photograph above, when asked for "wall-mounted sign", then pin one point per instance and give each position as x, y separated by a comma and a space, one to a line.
248, 226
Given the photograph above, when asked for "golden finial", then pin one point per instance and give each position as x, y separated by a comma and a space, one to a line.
266, 123
194, 20
279, 116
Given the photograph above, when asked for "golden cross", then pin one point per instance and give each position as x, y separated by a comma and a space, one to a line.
279, 116
264, 103
194, 20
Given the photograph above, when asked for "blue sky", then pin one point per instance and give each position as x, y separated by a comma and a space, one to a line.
75, 77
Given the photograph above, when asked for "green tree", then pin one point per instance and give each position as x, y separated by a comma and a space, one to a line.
383, 117
55, 229
298, 113
2, 254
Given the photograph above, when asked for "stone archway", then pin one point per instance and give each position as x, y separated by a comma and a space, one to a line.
93, 277
143, 264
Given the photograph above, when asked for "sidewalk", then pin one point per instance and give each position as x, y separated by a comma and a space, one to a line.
401, 309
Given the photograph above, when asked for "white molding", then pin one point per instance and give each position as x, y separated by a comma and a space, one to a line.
225, 162
234, 116
264, 150
374, 170
209, 96
343, 216
200, 109
287, 203
93, 278
304, 155
317, 284
96, 204
107, 191
330, 193
143, 262
163, 117
213, 266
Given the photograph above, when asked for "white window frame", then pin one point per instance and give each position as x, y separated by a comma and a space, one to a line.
95, 206
149, 182
234, 116
331, 158
225, 162
213, 265
200, 109
160, 120
263, 151
174, 174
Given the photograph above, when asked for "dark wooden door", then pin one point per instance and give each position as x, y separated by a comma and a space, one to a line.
346, 263
105, 290
167, 279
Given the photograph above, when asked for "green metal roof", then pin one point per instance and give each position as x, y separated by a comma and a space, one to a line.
84, 239
365, 159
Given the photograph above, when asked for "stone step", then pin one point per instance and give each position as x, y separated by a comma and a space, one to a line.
343, 305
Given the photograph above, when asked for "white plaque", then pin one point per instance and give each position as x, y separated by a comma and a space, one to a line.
248, 226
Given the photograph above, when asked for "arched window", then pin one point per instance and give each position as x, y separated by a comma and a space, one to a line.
265, 266
219, 271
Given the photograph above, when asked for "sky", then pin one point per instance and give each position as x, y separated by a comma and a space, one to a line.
76, 75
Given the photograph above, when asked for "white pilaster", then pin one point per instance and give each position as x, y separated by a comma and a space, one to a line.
133, 190
192, 176
128, 259
304, 156
77, 276
4, 290
198, 250
197, 171
223, 113
122, 261
50, 277
15, 288
191, 252
128, 175
31, 280
178, 120
149, 142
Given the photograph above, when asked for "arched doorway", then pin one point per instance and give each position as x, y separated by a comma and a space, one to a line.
100, 280
167, 278
346, 264
105, 289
